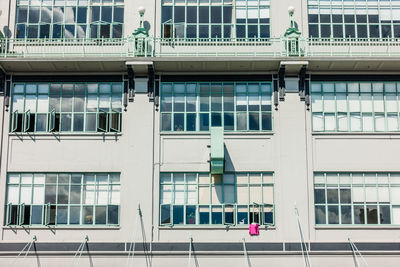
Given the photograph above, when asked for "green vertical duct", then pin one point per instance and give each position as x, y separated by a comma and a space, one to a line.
217, 160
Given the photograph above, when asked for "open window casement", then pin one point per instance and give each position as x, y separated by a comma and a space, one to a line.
167, 29
47, 214
27, 121
268, 214
166, 215
229, 214
15, 121
52, 121
102, 121
21, 217
12, 214
115, 121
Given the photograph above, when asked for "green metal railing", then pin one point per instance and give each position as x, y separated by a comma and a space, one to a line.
209, 47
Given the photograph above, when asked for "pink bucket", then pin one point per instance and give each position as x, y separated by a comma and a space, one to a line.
254, 229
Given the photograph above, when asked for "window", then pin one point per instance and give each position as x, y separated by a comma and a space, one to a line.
55, 199
66, 107
357, 198
355, 106
237, 106
354, 19
215, 19
231, 199
69, 19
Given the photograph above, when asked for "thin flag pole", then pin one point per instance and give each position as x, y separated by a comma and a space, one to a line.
27, 247
131, 253
190, 250
79, 252
356, 251
304, 248
246, 256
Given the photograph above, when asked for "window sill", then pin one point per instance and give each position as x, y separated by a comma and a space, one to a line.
213, 227
355, 133
225, 133
80, 227
357, 227
65, 134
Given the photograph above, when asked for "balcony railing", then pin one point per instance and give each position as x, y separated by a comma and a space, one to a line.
158, 47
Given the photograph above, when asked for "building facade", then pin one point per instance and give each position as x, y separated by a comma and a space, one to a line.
154, 133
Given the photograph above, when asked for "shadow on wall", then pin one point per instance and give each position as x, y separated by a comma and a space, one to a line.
7, 32
146, 25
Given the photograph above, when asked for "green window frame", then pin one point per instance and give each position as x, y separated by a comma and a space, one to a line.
353, 19
192, 19
355, 106
69, 19
197, 106
62, 199
66, 107
357, 198
201, 199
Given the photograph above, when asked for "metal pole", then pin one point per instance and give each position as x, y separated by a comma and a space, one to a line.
246, 256
304, 249
133, 243
190, 250
27, 247
355, 251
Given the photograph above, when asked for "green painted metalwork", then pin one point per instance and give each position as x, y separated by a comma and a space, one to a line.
125, 48
355, 106
357, 198
217, 158
66, 107
63, 199
202, 199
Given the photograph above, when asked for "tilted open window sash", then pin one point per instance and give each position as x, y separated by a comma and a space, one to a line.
115, 121
255, 210
21, 217
12, 216
52, 120
9, 215
47, 211
229, 214
166, 215
268, 214
27, 121
102, 121
14, 121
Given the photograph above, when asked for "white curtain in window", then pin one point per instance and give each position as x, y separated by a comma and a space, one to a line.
264, 13
396, 215
332, 178
368, 123
179, 194
30, 103
355, 122
255, 178
393, 122
13, 194
395, 194
26, 194
91, 102
329, 103
371, 194
330, 122
43, 104
241, 13
385, 14
316, 103
255, 194
102, 194
341, 102
391, 103
242, 195
342, 122
358, 194
357, 178
318, 122
354, 103
384, 195
88, 194
379, 105
191, 194
38, 195
366, 103
204, 194
344, 178
380, 123
268, 195
252, 13
26, 178
166, 194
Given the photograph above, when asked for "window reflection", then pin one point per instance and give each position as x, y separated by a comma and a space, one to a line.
70, 19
